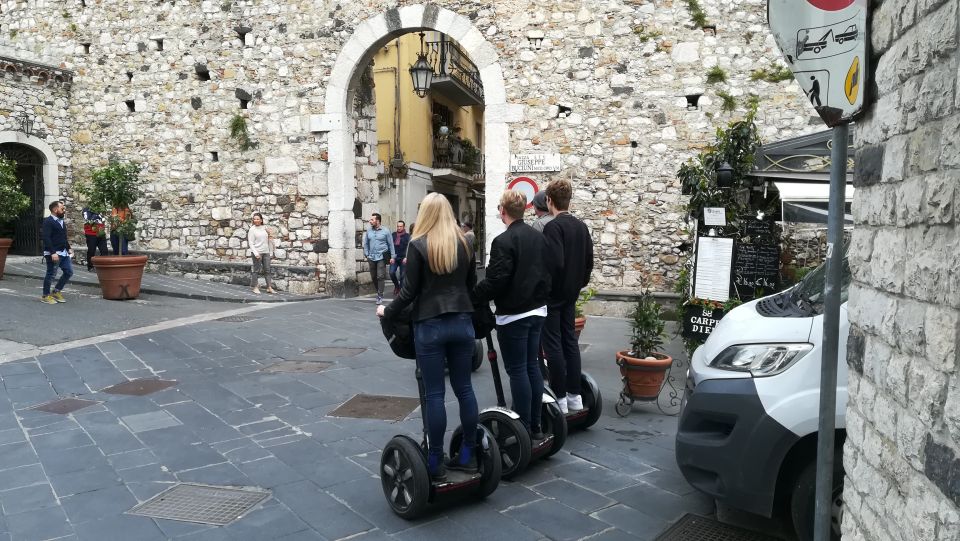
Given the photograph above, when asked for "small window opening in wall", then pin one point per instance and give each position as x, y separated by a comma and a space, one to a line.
242, 32
83, 3
361, 149
244, 103
693, 101
634, 144
564, 111
129, 76
203, 73
710, 27
131, 106
86, 48
214, 156
159, 43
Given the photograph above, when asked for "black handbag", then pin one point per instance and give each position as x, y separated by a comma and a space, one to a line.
399, 333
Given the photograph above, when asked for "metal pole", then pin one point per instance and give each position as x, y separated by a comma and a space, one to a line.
831, 332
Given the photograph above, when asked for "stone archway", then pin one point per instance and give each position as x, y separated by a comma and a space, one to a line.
38, 170
340, 127
51, 172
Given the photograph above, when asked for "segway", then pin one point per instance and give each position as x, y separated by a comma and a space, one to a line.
589, 394
406, 483
513, 439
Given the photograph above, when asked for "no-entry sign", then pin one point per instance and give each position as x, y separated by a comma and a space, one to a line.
825, 45
526, 186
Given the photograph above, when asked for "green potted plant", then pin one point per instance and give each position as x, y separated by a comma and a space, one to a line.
580, 319
12, 203
642, 367
116, 186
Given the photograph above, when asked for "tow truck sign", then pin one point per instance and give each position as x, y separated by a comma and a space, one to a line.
825, 45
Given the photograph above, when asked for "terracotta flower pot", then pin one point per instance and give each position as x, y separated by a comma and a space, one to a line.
578, 324
4, 248
120, 276
643, 378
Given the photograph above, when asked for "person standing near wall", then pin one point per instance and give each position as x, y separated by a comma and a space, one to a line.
56, 253
398, 264
260, 244
541, 210
570, 259
467, 228
118, 238
378, 249
94, 229
517, 280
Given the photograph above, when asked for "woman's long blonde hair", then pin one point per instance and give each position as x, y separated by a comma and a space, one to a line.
435, 221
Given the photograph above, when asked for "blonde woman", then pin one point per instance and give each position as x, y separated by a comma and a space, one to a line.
260, 241
441, 273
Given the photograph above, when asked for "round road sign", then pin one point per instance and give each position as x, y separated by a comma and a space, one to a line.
526, 186
831, 5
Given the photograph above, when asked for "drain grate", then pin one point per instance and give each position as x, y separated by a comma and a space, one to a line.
697, 528
302, 367
140, 387
372, 406
201, 503
237, 319
64, 405
334, 352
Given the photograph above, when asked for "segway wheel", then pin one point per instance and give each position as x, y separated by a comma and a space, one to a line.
488, 458
478, 355
404, 477
512, 439
590, 393
553, 421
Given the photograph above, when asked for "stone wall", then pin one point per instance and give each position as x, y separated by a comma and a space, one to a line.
161, 82
902, 456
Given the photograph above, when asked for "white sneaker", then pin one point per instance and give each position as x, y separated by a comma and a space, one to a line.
562, 402
574, 402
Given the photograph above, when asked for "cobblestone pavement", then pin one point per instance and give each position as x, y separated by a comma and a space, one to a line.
229, 422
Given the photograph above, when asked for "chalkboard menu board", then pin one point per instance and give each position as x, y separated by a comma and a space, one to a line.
756, 229
755, 266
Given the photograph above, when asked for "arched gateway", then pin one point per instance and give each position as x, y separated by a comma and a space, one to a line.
37, 170
340, 126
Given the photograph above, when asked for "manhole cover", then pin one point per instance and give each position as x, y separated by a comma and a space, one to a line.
65, 405
297, 366
201, 503
140, 387
372, 406
237, 319
334, 352
697, 528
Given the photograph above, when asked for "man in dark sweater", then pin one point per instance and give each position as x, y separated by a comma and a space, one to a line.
56, 253
570, 260
518, 281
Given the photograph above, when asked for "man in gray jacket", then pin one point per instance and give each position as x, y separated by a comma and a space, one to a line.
541, 210
378, 248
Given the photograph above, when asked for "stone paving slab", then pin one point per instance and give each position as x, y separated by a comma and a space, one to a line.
229, 423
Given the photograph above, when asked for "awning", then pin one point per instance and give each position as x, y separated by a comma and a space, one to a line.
807, 191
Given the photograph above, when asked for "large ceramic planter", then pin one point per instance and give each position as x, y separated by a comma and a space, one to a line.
120, 276
4, 248
578, 324
643, 377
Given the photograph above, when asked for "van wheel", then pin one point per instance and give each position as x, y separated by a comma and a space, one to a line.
802, 501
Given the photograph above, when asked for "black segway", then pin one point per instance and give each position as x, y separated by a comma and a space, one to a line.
589, 394
513, 439
403, 464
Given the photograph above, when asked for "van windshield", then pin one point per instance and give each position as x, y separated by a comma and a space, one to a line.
810, 289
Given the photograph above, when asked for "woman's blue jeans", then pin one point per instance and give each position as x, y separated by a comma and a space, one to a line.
449, 338
520, 345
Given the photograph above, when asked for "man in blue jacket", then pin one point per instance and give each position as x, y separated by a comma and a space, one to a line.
56, 253
378, 249
400, 241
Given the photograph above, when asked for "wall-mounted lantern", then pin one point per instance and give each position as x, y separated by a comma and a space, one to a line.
535, 37
421, 72
725, 176
27, 125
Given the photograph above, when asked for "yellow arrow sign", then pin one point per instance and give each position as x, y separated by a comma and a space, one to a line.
851, 86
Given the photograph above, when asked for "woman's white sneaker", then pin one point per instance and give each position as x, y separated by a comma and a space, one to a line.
562, 402
574, 402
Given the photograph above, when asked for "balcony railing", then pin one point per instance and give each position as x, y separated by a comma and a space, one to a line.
459, 154
454, 73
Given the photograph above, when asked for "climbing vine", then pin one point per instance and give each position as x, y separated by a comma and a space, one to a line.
239, 133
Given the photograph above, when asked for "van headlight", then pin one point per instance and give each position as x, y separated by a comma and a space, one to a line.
760, 359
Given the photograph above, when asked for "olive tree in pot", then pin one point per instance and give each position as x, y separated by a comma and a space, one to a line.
116, 186
580, 319
642, 367
12, 203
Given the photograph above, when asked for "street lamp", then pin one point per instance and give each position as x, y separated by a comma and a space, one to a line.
725, 176
26, 123
421, 72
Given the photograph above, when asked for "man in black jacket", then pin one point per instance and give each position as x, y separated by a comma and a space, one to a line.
570, 259
518, 281
56, 253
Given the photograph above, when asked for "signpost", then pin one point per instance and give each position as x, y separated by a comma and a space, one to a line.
526, 186
825, 44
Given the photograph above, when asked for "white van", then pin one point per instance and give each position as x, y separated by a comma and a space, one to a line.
748, 426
